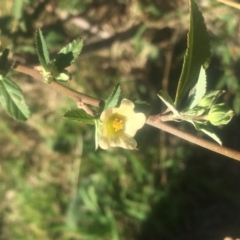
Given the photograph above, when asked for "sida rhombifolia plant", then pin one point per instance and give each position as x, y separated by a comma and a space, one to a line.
117, 120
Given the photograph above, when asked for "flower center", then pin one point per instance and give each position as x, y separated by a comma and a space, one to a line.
117, 124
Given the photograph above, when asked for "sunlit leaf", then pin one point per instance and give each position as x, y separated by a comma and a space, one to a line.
17, 9
68, 54
199, 89
196, 111
79, 115
197, 53
113, 99
168, 102
12, 100
41, 47
207, 130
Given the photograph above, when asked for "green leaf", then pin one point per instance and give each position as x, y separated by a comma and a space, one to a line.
196, 111
199, 89
68, 54
79, 115
12, 100
197, 53
98, 131
220, 114
168, 102
42, 51
206, 129
17, 9
113, 99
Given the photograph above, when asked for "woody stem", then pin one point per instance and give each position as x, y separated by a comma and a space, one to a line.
154, 121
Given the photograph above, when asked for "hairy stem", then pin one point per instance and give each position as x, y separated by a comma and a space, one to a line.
154, 121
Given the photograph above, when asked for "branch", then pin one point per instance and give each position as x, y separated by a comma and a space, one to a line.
76, 96
193, 139
152, 120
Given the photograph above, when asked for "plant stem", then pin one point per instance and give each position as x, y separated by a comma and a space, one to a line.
193, 139
76, 96
154, 121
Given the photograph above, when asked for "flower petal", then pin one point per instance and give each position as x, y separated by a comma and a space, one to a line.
131, 123
104, 143
136, 121
124, 141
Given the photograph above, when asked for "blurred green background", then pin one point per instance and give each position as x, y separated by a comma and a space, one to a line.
54, 185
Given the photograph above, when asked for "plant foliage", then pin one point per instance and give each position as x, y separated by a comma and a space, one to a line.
197, 53
12, 100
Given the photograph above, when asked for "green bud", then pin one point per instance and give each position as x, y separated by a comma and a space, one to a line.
210, 98
64, 76
220, 114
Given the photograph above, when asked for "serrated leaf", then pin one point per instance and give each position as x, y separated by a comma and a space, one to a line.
12, 100
68, 54
199, 89
207, 130
41, 47
168, 102
79, 115
197, 53
113, 99
98, 130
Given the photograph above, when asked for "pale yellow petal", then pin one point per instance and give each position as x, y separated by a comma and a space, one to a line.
135, 122
128, 142
104, 143
126, 105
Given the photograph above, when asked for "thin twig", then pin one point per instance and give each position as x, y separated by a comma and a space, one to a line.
230, 3
76, 96
152, 120
193, 139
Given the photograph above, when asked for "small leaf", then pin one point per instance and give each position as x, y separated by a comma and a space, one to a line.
200, 88
168, 102
68, 54
113, 99
207, 130
220, 114
196, 111
198, 52
79, 115
98, 131
41, 47
12, 100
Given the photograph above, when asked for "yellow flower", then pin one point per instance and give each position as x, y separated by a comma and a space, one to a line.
120, 125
